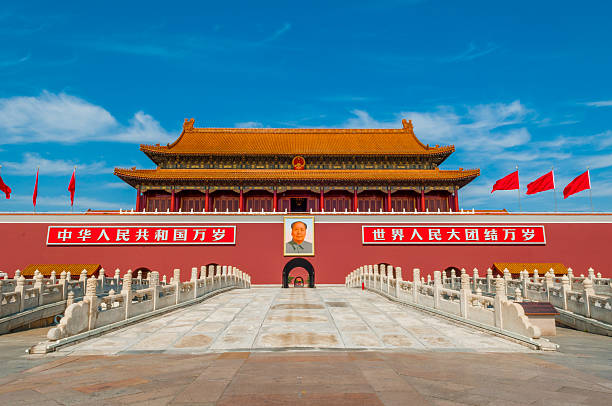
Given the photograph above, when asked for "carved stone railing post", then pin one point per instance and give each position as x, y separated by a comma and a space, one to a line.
194, 279
452, 281
126, 291
565, 289
591, 273
53, 278
154, 284
437, 285
489, 280
549, 284
176, 280
63, 287
39, 286
20, 289
416, 281
536, 276
102, 282
139, 278
389, 275
83, 280
92, 298
398, 281
570, 277
464, 294
475, 279
500, 295
518, 296
587, 285
117, 279
524, 282
217, 277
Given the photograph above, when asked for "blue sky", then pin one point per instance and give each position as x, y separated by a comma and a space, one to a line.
514, 83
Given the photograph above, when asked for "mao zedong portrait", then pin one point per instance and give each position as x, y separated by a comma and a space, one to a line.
298, 245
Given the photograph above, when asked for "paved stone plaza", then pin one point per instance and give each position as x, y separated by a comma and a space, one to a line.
305, 346
274, 318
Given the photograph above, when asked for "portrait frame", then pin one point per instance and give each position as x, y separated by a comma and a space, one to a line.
310, 235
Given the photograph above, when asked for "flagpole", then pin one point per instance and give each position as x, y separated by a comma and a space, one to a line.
36, 186
518, 190
72, 203
554, 188
590, 195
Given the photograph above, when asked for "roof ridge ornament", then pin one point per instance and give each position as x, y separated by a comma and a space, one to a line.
188, 124
407, 124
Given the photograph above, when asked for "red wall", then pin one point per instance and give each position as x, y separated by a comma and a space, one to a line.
338, 248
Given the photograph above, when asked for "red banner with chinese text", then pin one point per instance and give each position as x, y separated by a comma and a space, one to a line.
141, 235
466, 235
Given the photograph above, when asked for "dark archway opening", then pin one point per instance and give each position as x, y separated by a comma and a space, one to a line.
299, 263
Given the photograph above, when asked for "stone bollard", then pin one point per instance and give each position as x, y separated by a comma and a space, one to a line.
416, 281
464, 294
588, 291
92, 298
500, 296
437, 285
565, 289
20, 289
489, 280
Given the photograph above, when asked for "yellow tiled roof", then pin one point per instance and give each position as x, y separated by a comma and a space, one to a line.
542, 267
74, 269
298, 141
308, 175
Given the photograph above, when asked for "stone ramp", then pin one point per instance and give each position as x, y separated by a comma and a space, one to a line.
271, 319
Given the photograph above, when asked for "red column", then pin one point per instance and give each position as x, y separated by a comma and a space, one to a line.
275, 201
206, 204
321, 202
138, 199
388, 201
241, 203
355, 203
144, 201
456, 200
422, 199
172, 203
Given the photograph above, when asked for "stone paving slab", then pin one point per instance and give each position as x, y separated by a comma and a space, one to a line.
274, 318
306, 378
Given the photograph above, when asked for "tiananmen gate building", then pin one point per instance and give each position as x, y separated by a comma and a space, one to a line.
297, 170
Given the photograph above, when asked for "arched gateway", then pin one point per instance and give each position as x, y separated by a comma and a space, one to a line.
298, 263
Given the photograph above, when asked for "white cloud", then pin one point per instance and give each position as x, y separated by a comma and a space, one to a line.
472, 52
50, 167
600, 103
68, 119
485, 127
249, 124
278, 33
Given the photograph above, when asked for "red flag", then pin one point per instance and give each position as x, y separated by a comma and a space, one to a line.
582, 182
72, 188
5, 188
508, 182
544, 182
35, 195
